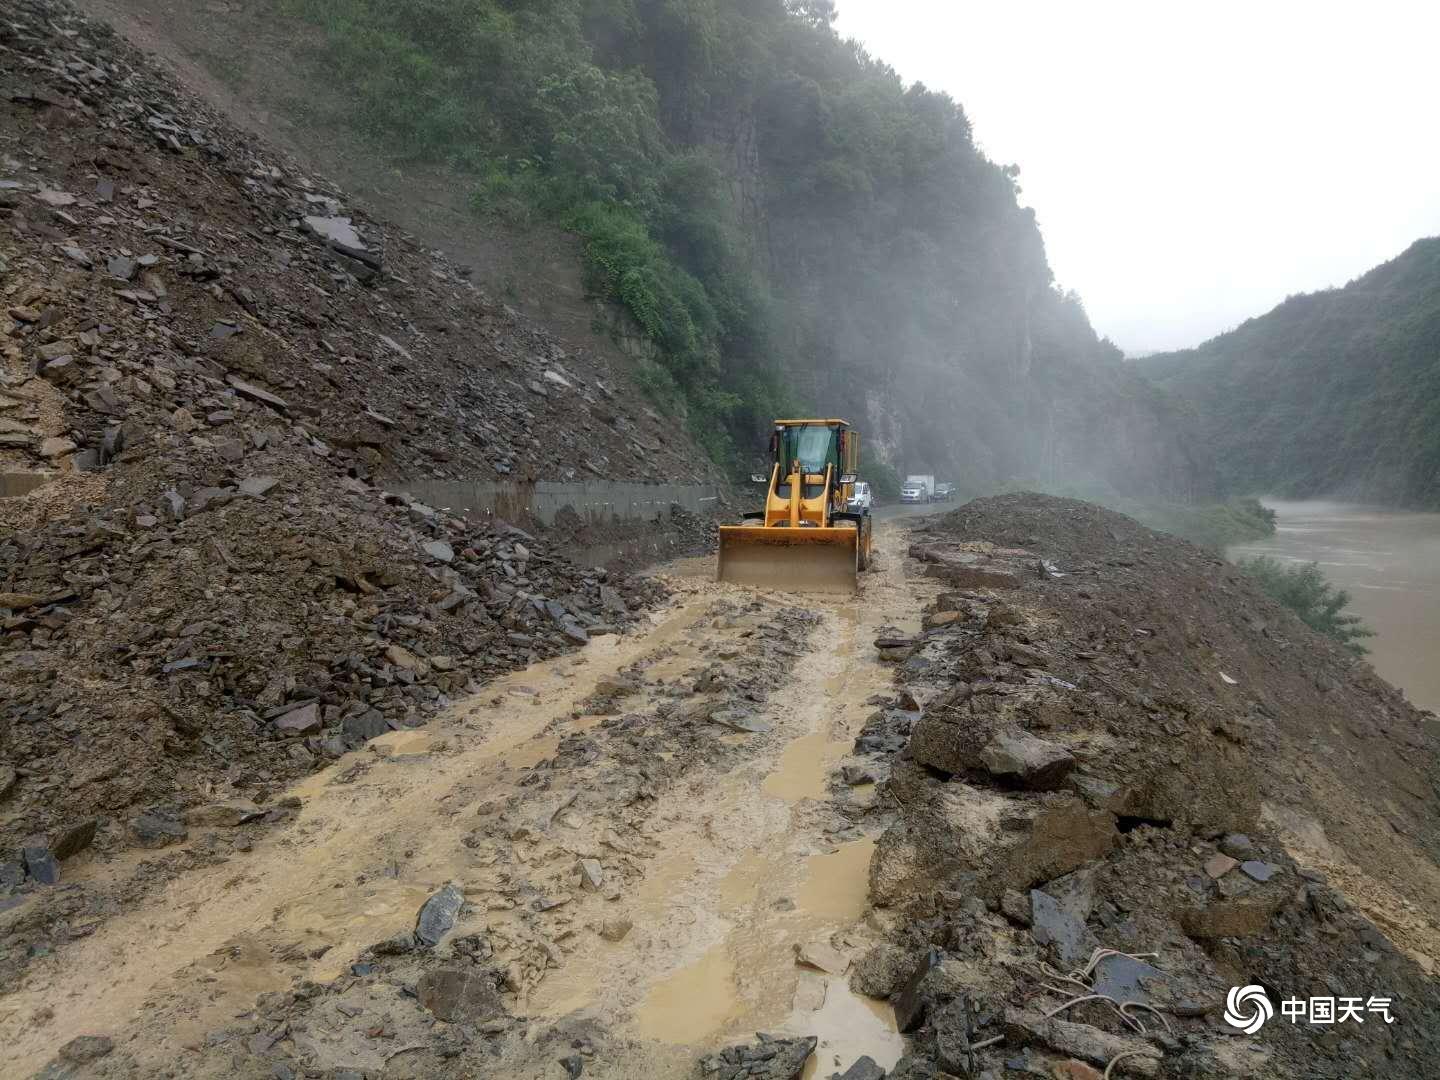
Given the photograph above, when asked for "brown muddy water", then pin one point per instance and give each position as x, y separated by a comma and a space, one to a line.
1389, 562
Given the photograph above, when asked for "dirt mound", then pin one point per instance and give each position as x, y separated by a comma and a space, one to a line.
1125, 746
229, 373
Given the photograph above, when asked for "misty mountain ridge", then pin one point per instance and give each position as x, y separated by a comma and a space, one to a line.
1332, 393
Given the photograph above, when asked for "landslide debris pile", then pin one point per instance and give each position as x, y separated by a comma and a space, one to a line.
1133, 784
566, 840
225, 367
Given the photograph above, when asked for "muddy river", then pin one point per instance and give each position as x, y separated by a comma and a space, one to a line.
1389, 562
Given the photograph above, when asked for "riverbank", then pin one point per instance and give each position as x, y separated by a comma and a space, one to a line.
1389, 562
1211, 525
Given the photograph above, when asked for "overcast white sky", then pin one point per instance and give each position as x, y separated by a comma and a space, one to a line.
1192, 164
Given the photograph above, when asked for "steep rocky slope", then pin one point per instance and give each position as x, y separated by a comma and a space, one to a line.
1331, 393
226, 375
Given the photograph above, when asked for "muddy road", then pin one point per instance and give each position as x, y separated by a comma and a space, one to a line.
622, 876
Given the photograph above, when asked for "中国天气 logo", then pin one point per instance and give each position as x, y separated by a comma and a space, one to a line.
1247, 1008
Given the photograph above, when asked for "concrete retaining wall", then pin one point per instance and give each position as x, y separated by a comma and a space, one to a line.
599, 501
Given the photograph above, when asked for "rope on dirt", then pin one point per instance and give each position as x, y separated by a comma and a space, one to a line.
1102, 954
1130, 1020
1149, 1008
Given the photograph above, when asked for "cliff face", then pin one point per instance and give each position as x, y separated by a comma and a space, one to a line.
913, 289
1331, 393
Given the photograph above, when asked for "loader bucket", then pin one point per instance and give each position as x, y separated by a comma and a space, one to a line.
792, 560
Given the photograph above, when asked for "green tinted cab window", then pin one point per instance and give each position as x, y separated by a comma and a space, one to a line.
813, 447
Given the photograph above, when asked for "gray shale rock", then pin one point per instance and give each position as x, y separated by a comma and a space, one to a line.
1020, 758
438, 915
770, 1058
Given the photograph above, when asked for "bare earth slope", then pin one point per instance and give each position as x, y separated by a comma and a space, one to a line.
218, 589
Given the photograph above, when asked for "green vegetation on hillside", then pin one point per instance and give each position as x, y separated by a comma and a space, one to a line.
1212, 525
1333, 393
1304, 590
790, 224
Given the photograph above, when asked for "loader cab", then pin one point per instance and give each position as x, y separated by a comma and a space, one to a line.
817, 452
808, 451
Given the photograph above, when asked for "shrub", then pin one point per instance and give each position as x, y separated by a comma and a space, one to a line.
1303, 589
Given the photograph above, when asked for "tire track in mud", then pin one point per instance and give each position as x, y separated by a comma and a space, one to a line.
723, 849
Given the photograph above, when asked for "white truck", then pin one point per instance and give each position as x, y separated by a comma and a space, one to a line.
918, 488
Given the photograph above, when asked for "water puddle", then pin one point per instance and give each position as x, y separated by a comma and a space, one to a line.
694, 1003
848, 1026
805, 767
772, 904
837, 886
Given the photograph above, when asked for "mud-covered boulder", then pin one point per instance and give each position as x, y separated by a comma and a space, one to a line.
1207, 782
1017, 757
882, 971
956, 837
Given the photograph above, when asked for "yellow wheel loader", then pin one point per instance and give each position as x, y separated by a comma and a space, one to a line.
806, 539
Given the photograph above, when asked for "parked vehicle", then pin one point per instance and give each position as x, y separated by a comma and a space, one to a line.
925, 480
912, 491
861, 500
944, 492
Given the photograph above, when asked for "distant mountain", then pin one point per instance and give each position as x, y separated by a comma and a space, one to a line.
1331, 393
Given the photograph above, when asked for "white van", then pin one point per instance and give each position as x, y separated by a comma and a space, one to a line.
860, 500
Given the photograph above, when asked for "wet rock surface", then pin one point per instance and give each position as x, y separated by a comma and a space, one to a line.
1088, 849
769, 1058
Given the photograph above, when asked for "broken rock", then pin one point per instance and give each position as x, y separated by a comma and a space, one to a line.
882, 971
302, 721
1082, 1041
770, 1058
1053, 925
458, 995
155, 831
40, 861
75, 839
1021, 758
438, 915
256, 486
865, 1068
592, 874
615, 929
224, 815
823, 957
85, 1048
